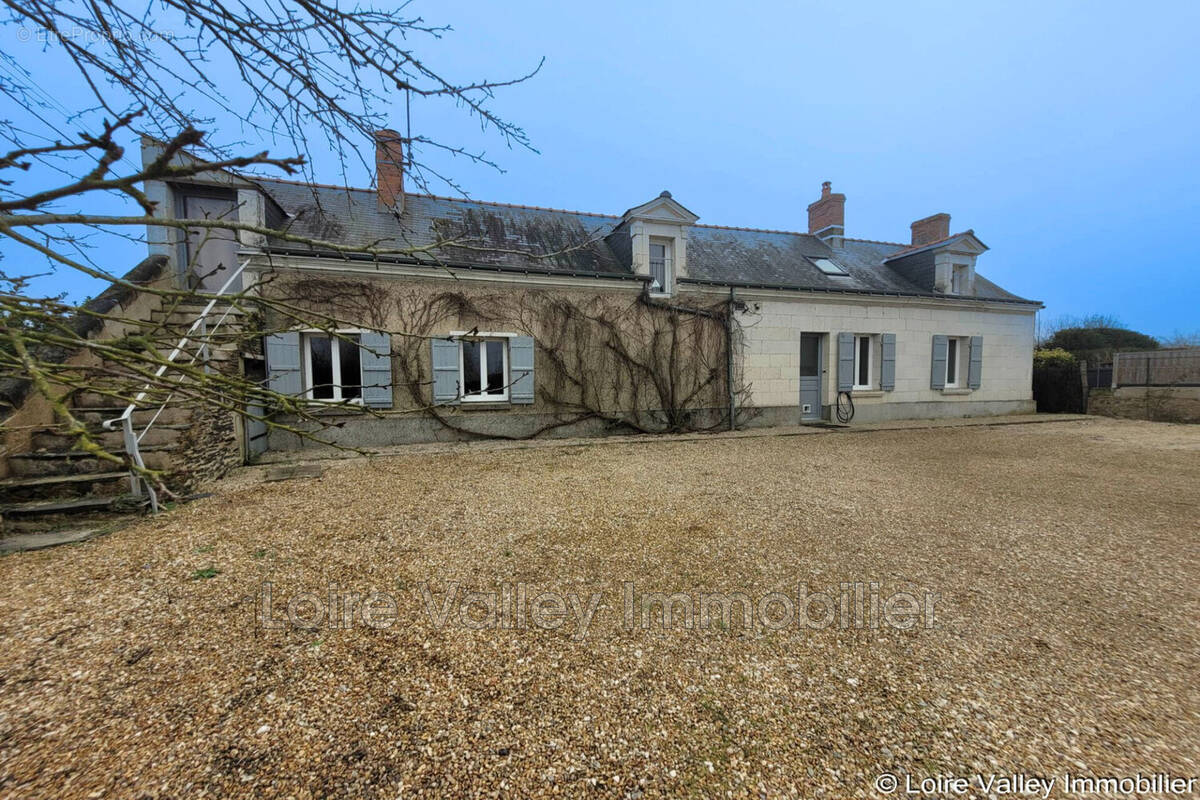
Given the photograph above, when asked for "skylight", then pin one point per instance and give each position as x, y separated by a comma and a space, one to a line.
829, 267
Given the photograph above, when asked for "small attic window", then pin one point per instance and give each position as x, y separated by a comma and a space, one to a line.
829, 267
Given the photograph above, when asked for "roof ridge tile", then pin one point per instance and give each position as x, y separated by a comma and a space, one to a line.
874, 241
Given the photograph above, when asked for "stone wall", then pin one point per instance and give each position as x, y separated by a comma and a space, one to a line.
208, 450
1157, 403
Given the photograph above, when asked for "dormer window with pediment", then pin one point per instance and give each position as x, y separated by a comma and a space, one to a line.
653, 237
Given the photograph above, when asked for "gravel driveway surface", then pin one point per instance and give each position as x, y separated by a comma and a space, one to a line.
1045, 618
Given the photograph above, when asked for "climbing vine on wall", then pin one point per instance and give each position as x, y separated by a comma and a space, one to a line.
631, 363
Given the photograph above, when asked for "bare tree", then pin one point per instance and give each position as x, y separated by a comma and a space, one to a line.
1048, 326
199, 77
1181, 339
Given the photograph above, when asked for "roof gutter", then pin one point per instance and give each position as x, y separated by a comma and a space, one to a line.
868, 292
444, 264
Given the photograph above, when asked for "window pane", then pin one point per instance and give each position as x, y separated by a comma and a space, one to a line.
952, 361
351, 371
471, 368
322, 368
829, 267
495, 367
658, 271
864, 361
658, 265
810, 355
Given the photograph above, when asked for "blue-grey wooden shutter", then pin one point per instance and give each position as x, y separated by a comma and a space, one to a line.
375, 356
445, 370
845, 354
975, 368
937, 375
520, 368
887, 362
283, 363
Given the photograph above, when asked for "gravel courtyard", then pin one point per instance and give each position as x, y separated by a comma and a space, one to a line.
1063, 560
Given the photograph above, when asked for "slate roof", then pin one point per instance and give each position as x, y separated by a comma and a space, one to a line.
532, 239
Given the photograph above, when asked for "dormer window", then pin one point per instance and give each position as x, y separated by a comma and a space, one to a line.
652, 240
661, 276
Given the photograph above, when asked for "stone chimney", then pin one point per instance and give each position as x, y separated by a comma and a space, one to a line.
389, 169
930, 230
827, 216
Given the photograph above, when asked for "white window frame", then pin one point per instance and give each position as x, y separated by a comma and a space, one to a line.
483, 396
668, 246
961, 344
870, 384
960, 278
306, 338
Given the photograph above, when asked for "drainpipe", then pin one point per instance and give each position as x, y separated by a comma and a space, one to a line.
729, 359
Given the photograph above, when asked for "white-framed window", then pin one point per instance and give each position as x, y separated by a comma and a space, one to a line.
333, 367
959, 276
661, 273
483, 369
956, 366
864, 361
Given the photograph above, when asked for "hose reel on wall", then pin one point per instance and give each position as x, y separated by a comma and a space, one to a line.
844, 408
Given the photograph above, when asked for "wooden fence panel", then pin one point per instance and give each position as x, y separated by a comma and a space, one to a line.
1158, 368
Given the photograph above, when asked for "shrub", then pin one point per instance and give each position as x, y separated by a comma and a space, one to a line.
1096, 345
1050, 357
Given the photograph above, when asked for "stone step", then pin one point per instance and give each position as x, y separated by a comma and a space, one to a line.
91, 401
60, 506
172, 414
222, 346
195, 307
20, 541
174, 326
45, 463
46, 488
160, 433
88, 399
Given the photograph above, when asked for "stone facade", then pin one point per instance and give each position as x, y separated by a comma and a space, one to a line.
771, 353
766, 353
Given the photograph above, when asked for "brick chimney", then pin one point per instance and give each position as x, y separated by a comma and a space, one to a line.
389, 169
931, 229
827, 216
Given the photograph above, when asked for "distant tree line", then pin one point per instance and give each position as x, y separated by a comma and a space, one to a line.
1095, 337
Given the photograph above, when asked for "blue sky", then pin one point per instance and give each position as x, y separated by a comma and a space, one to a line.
1064, 134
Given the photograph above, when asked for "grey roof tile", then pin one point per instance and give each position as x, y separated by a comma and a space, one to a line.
541, 239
